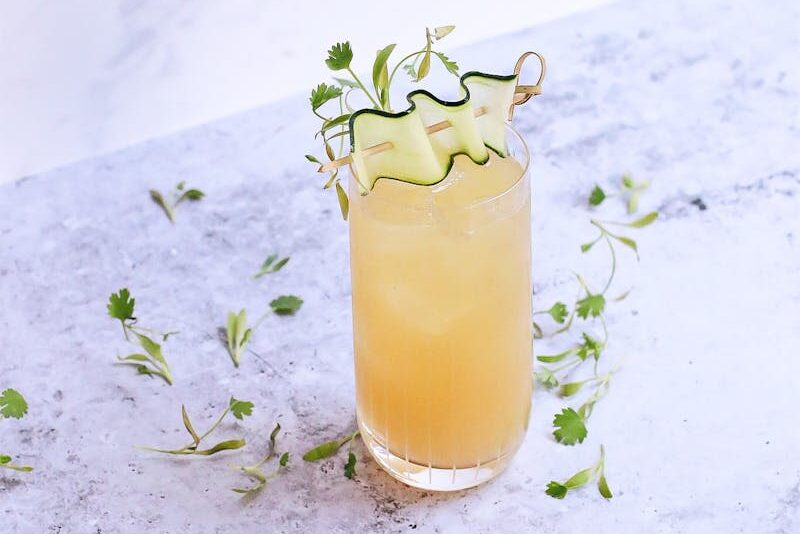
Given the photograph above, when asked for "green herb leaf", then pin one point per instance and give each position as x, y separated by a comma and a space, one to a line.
571, 388
628, 242
602, 487
158, 198
581, 478
569, 427
121, 305
558, 312
589, 347
425, 64
284, 459
339, 56
286, 304
350, 466
411, 70
591, 304
380, 75
270, 265
627, 181
442, 31
344, 202
546, 377
13, 404
313, 159
555, 357
228, 445
187, 423
240, 409
597, 196
451, 66
643, 221
237, 334
326, 450
337, 121
322, 94
191, 194
556, 490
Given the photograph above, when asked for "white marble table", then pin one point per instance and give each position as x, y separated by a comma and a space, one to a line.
700, 425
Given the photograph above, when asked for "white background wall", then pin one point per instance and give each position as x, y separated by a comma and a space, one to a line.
85, 77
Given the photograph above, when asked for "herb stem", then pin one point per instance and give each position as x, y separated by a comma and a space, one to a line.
613, 260
217, 423
363, 88
325, 119
401, 62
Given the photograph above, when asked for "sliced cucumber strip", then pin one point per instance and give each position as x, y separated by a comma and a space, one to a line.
421, 157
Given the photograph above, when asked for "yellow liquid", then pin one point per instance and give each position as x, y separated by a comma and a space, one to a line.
442, 314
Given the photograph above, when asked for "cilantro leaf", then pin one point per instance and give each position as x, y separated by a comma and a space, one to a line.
13, 404
643, 221
556, 490
121, 305
344, 202
569, 427
350, 466
546, 377
380, 75
240, 409
326, 450
558, 312
602, 487
597, 196
339, 56
442, 31
589, 347
271, 266
627, 181
284, 459
591, 304
323, 93
286, 304
581, 478
451, 66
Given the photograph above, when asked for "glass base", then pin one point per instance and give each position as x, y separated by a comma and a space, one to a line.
427, 477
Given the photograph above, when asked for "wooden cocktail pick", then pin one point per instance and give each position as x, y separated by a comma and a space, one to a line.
522, 93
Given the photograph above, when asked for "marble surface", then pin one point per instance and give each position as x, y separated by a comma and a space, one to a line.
83, 78
700, 426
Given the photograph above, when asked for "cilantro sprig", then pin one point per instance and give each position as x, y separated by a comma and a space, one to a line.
330, 448
554, 371
238, 333
271, 265
335, 97
256, 472
238, 408
150, 362
12, 405
180, 194
559, 490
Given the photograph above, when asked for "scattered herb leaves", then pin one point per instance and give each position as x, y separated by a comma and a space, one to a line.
559, 490
239, 409
177, 196
151, 362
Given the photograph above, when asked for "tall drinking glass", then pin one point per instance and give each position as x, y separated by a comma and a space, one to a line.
441, 279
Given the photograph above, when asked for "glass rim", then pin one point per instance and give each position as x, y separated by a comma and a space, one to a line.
484, 201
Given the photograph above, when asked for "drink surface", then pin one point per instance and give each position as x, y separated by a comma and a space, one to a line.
442, 313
